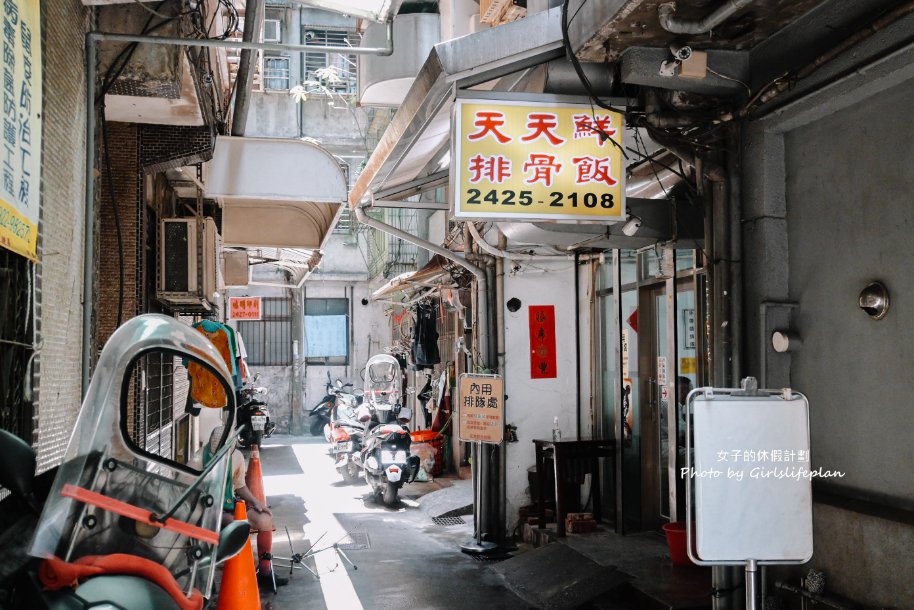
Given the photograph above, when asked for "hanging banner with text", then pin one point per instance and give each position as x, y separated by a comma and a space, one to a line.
542, 342
530, 160
481, 405
245, 308
20, 167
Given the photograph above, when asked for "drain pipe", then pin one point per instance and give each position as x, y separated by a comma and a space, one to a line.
92, 39
681, 26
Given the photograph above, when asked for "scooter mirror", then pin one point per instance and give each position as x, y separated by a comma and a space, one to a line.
339, 383
232, 539
18, 468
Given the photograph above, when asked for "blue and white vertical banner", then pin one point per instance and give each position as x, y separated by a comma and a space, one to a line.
20, 154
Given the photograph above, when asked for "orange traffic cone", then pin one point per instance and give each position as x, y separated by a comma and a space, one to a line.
254, 481
239, 580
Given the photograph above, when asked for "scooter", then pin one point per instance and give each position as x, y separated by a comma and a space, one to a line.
254, 422
346, 437
322, 412
121, 526
385, 456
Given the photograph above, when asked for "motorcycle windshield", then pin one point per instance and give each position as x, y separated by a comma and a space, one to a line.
132, 458
382, 380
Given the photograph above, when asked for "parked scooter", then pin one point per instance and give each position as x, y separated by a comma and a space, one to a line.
254, 422
322, 412
346, 437
121, 526
385, 456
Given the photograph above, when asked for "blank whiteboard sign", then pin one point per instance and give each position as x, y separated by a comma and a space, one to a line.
752, 478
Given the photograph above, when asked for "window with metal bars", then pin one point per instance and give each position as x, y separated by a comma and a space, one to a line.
268, 341
276, 73
153, 402
335, 71
327, 331
16, 351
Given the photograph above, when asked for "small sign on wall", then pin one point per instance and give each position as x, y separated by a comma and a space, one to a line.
542, 342
245, 308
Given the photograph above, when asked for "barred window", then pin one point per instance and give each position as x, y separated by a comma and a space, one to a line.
276, 73
327, 331
335, 71
268, 341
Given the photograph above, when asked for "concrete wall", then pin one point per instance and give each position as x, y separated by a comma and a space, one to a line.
62, 219
533, 403
827, 212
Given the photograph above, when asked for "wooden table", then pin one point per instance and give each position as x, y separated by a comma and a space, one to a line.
571, 460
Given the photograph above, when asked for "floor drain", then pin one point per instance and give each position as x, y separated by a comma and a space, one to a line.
354, 541
448, 521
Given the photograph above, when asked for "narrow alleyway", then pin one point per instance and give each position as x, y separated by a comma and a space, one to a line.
404, 560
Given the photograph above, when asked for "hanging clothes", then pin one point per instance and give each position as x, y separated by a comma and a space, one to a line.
425, 336
205, 388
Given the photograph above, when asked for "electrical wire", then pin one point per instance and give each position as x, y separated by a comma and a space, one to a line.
730, 78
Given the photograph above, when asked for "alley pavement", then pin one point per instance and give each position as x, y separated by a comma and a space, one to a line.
403, 560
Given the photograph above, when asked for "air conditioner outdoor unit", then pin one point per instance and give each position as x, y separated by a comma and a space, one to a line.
188, 275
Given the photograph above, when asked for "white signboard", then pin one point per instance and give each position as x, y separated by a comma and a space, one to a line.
752, 478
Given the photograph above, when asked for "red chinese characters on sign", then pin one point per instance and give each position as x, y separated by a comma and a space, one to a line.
489, 123
542, 125
244, 308
541, 168
495, 169
542, 342
587, 126
592, 169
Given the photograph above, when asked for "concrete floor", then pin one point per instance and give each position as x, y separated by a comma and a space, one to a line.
410, 562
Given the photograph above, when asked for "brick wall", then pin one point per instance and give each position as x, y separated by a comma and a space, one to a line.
61, 228
166, 147
123, 139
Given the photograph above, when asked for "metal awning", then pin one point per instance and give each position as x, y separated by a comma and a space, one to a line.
420, 131
432, 275
275, 193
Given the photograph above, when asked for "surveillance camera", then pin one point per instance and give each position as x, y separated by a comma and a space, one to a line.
682, 53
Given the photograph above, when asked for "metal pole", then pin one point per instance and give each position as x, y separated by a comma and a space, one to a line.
253, 18
89, 221
752, 584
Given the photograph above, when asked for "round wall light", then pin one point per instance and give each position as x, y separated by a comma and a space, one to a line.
874, 300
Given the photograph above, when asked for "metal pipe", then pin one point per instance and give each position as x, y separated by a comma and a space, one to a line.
577, 349
89, 221
501, 253
93, 38
681, 26
500, 356
253, 19
386, 50
735, 253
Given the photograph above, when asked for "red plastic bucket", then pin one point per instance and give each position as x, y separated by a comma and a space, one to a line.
676, 540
